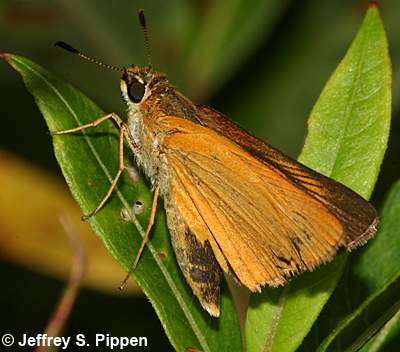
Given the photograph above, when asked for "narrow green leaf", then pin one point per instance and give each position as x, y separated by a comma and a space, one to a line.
371, 284
385, 336
348, 132
349, 124
359, 340
89, 161
273, 94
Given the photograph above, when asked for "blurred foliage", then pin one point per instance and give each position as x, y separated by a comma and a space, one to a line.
264, 67
39, 242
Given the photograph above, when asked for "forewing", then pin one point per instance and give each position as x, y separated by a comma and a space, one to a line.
358, 217
259, 222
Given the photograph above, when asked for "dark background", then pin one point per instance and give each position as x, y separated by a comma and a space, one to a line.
263, 65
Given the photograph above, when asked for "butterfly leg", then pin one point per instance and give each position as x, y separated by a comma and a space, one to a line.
146, 235
113, 116
116, 178
122, 128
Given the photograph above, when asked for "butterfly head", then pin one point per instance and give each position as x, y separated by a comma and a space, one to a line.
137, 84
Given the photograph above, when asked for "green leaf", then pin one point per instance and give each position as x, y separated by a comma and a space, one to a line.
89, 161
385, 337
273, 94
370, 287
348, 132
349, 124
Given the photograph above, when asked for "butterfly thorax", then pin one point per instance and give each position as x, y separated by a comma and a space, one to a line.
149, 97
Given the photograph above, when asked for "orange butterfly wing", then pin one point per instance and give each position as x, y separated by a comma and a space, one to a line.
358, 217
258, 221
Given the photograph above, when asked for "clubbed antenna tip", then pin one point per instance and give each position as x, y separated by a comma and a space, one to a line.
142, 21
66, 46
71, 49
142, 18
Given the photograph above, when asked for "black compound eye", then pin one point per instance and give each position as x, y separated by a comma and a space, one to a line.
136, 91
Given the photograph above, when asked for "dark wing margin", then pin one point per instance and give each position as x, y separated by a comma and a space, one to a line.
358, 217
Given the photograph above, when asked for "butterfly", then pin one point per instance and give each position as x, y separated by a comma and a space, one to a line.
233, 203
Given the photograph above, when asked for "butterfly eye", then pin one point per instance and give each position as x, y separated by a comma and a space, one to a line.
136, 91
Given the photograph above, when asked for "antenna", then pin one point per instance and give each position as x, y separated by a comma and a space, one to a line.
69, 48
142, 21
